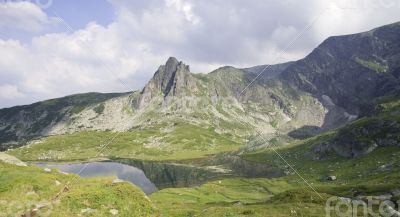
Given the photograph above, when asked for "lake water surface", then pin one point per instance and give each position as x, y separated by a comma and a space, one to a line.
122, 171
152, 176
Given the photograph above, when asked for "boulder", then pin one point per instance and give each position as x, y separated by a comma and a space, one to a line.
395, 192
331, 178
114, 211
116, 181
391, 211
87, 210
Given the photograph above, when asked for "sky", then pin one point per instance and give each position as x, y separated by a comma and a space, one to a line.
53, 48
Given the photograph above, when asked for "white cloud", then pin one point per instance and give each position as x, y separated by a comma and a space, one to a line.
23, 15
9, 92
205, 34
185, 8
348, 17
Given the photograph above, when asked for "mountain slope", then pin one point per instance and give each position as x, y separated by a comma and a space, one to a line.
26, 122
334, 85
352, 69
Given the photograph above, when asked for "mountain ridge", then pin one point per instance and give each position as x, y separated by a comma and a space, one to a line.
327, 89
357, 53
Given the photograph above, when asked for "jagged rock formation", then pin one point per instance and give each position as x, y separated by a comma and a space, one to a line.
171, 80
332, 86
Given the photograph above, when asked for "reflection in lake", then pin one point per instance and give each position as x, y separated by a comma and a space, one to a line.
167, 175
195, 172
122, 171
152, 175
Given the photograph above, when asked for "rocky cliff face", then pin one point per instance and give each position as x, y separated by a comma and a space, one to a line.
171, 80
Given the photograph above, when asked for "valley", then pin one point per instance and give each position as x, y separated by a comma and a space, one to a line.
228, 143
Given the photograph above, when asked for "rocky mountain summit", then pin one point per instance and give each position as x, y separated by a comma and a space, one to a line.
171, 80
341, 81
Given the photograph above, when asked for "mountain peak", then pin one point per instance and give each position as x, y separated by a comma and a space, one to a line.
172, 61
169, 80
167, 73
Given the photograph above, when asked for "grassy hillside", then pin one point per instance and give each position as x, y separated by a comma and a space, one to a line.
285, 196
160, 142
238, 197
25, 188
373, 174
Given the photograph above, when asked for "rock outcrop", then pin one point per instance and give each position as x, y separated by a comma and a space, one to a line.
11, 160
171, 80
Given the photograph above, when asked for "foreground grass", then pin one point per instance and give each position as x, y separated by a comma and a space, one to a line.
177, 142
24, 188
240, 197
